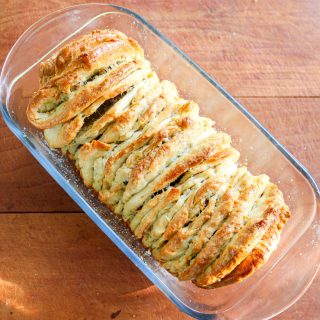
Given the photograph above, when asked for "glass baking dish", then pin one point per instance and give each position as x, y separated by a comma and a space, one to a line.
293, 265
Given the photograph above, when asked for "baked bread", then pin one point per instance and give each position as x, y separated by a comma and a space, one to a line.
153, 160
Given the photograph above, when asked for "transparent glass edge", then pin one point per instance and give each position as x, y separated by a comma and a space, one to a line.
295, 299
96, 217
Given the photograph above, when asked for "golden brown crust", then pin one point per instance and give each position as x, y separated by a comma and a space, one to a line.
105, 121
245, 240
259, 255
197, 209
172, 172
64, 133
188, 240
181, 218
189, 185
109, 87
128, 122
96, 49
152, 159
70, 79
233, 205
161, 111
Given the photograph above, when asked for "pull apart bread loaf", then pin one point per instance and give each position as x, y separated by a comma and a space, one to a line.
153, 160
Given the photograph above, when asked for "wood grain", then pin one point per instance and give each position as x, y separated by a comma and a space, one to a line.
60, 265
24, 183
295, 123
249, 46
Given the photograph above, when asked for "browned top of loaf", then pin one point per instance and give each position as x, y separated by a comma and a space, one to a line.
86, 51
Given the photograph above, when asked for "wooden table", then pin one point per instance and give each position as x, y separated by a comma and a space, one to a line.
54, 262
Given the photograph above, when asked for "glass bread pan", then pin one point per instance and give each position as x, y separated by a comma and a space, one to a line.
291, 268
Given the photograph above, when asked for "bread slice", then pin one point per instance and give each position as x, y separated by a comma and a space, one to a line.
266, 210
259, 255
51, 106
93, 51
